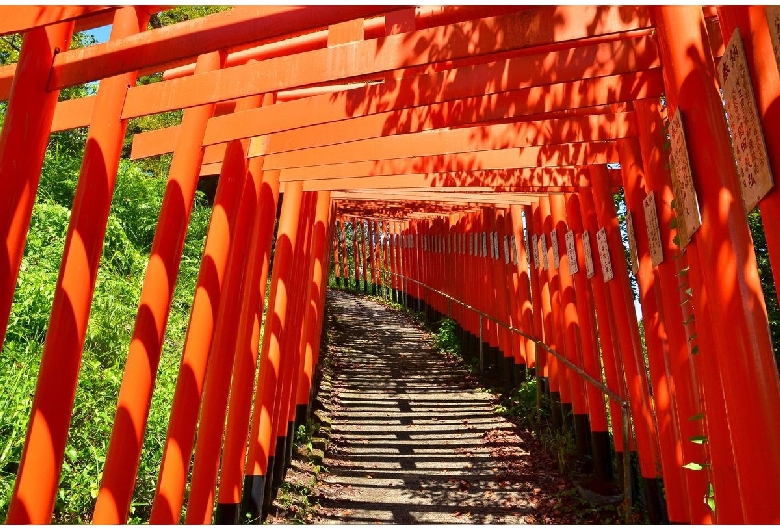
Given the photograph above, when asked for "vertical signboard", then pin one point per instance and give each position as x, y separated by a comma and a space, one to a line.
571, 253
653, 230
606, 263
755, 175
554, 245
688, 216
590, 271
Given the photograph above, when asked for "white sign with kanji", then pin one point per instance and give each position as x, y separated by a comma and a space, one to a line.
554, 245
590, 271
535, 249
653, 230
606, 263
755, 175
543, 242
688, 216
571, 253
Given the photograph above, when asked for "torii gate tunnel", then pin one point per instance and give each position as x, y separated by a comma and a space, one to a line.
471, 154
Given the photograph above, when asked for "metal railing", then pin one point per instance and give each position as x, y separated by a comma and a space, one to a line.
624, 406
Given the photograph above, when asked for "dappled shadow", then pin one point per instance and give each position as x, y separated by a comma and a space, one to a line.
412, 440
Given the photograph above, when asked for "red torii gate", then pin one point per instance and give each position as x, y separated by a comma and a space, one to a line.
372, 120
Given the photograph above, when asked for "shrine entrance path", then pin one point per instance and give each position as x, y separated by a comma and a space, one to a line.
413, 439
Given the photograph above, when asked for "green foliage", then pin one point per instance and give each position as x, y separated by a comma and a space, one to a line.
181, 14
445, 339
767, 280
129, 235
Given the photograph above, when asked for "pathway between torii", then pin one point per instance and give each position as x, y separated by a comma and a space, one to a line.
413, 440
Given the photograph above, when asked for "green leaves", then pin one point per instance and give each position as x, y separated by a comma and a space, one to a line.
130, 231
693, 466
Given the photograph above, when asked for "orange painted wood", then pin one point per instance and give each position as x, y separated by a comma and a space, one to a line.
735, 300
419, 17
246, 362
547, 156
442, 142
182, 41
156, 295
570, 334
318, 127
622, 306
509, 107
210, 438
209, 295
525, 179
618, 58
520, 30
610, 352
586, 320
23, 142
680, 505
263, 434
765, 78
18, 19
314, 306
44, 449
74, 113
695, 378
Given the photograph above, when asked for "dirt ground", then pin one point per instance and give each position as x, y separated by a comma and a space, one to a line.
413, 439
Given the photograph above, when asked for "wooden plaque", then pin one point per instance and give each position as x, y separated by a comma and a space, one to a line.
653, 230
606, 263
755, 175
484, 244
535, 249
688, 216
506, 250
543, 242
590, 271
632, 249
554, 245
571, 253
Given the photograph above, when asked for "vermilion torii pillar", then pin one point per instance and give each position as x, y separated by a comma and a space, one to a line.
599, 430
247, 350
41, 463
695, 377
679, 488
729, 271
263, 434
23, 141
570, 323
628, 338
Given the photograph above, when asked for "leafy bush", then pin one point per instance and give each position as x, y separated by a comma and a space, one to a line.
129, 235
